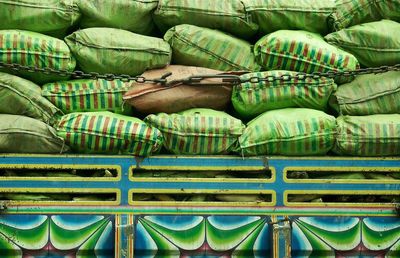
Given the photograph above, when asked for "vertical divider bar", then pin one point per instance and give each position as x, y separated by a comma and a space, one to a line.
281, 237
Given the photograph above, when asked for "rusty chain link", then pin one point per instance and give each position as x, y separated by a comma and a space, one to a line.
196, 80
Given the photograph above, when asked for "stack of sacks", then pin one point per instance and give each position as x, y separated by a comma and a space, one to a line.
287, 116
369, 121
95, 119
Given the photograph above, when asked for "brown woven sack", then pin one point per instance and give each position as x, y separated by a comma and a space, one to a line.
150, 98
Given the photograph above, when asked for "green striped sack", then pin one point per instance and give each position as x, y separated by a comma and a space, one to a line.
301, 51
309, 15
373, 44
209, 48
50, 17
353, 12
253, 98
88, 95
22, 134
22, 97
35, 50
389, 9
108, 50
289, 131
225, 15
108, 133
374, 135
370, 94
132, 15
198, 131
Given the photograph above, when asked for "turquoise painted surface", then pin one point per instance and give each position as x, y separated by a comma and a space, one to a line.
346, 237
202, 236
72, 236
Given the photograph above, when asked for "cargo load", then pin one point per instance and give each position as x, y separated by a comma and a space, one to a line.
373, 44
176, 96
108, 133
369, 94
22, 97
33, 49
225, 15
22, 134
131, 15
374, 135
289, 131
198, 131
197, 46
301, 51
254, 98
309, 15
88, 95
50, 17
108, 50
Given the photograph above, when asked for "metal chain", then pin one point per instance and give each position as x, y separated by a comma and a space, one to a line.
197, 80
83, 75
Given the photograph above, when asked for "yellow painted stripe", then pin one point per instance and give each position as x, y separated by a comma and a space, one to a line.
338, 192
115, 191
61, 166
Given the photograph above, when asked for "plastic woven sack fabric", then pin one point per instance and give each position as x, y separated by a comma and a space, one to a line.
373, 44
353, 12
251, 99
301, 51
108, 50
389, 9
309, 15
150, 98
370, 94
35, 50
225, 15
289, 131
374, 135
132, 15
198, 131
108, 133
209, 48
88, 95
22, 97
21, 134
50, 17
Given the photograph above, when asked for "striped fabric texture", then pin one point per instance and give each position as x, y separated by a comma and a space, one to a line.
198, 131
370, 94
301, 51
108, 50
35, 50
389, 9
88, 95
108, 133
50, 17
289, 131
251, 99
353, 12
132, 15
22, 97
373, 44
209, 48
309, 15
225, 15
374, 135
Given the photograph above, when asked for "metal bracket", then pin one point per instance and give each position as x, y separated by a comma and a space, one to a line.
282, 234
